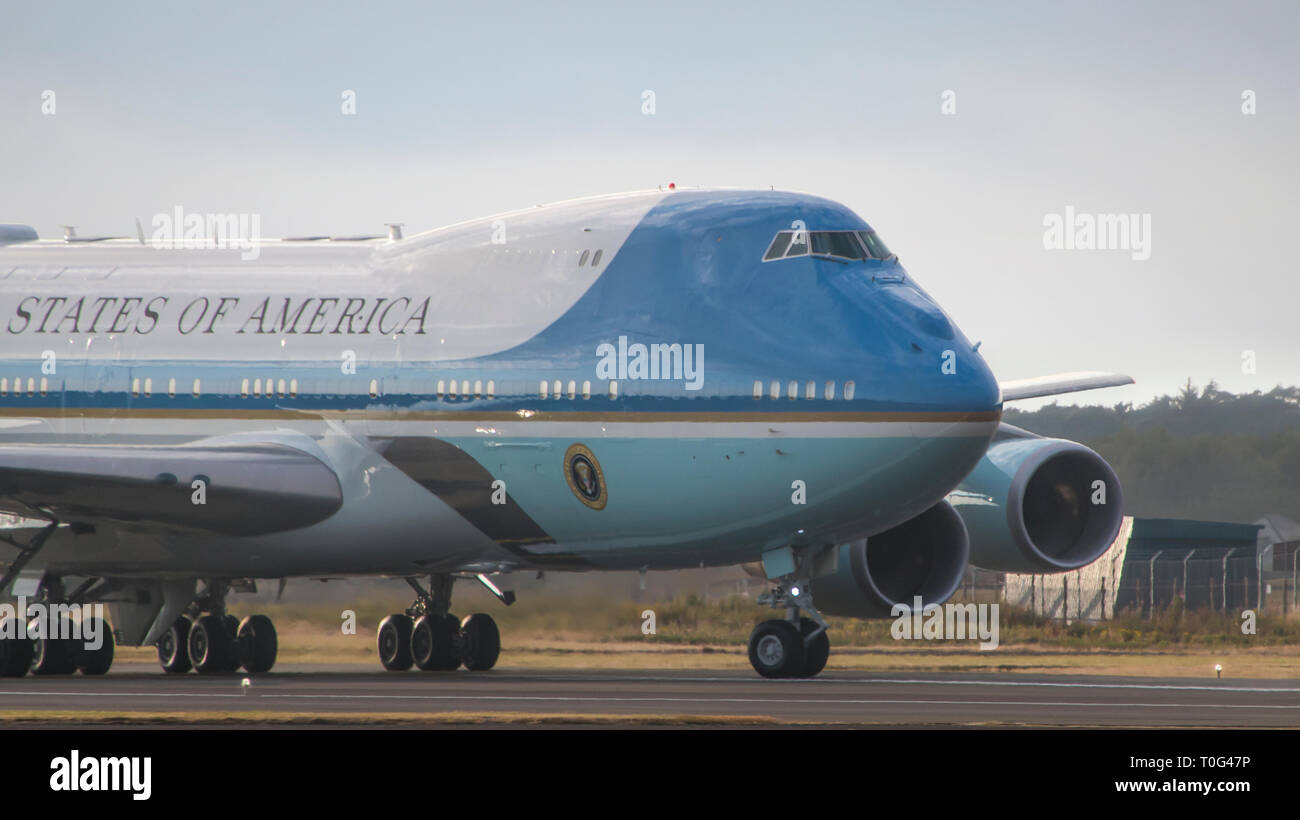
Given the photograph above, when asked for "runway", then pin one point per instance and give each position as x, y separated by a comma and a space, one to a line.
656, 697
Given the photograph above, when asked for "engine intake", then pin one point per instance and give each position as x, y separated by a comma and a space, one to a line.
924, 556
1039, 505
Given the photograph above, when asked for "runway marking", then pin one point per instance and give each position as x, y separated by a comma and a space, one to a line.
828, 681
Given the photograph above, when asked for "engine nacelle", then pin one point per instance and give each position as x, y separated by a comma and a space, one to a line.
925, 556
1034, 505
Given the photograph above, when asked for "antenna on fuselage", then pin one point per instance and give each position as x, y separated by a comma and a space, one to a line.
394, 230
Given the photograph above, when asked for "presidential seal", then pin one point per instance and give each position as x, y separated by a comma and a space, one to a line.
582, 471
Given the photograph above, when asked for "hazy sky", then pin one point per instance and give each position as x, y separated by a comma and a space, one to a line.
467, 109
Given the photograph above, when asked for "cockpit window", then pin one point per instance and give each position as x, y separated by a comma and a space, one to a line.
778, 247
848, 245
836, 243
875, 246
787, 244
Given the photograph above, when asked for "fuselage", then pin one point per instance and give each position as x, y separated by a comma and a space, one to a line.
620, 382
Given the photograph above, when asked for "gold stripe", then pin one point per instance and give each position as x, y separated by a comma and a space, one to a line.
286, 414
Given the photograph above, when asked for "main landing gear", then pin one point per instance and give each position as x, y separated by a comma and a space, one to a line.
61, 651
53, 642
428, 637
216, 642
795, 647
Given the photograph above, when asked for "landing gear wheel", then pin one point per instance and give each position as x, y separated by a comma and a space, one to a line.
776, 649
55, 656
815, 653
174, 648
231, 624
95, 661
395, 642
480, 642
16, 655
455, 651
433, 643
257, 644
210, 645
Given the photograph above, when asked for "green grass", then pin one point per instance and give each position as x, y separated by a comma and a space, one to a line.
690, 620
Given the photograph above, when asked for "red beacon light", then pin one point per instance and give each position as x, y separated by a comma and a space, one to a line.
672, 186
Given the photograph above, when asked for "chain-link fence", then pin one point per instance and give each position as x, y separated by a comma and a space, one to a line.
1222, 580
1124, 581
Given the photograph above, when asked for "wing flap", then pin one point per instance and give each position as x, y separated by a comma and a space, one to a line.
248, 489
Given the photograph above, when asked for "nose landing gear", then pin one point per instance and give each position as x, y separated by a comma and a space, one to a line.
793, 647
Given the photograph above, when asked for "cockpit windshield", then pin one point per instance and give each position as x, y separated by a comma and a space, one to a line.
875, 246
845, 245
837, 243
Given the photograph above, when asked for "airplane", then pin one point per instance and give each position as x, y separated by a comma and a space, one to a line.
657, 380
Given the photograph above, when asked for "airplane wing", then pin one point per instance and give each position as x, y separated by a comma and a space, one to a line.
249, 488
1059, 383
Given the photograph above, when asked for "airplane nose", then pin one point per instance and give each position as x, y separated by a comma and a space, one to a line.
917, 310
981, 392
950, 373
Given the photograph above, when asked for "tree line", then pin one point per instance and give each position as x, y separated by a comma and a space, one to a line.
1203, 453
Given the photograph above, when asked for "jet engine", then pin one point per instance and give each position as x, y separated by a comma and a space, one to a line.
1038, 504
925, 556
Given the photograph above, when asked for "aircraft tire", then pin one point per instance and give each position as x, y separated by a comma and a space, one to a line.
480, 642
395, 642
97, 661
232, 660
174, 648
54, 656
815, 653
257, 644
210, 645
776, 649
16, 656
433, 643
